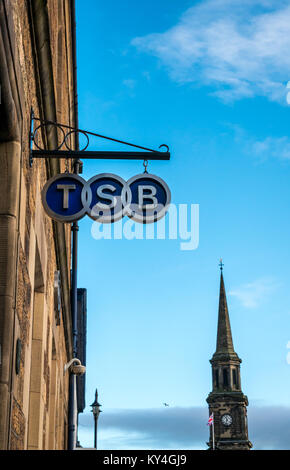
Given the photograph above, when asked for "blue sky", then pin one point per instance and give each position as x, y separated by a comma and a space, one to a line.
209, 79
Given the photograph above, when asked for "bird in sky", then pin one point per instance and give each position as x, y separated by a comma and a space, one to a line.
165, 404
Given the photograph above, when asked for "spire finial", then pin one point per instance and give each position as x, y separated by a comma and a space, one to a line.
221, 265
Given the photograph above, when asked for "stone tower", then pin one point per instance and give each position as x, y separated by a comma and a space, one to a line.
227, 401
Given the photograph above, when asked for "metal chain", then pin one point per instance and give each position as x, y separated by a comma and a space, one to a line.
145, 164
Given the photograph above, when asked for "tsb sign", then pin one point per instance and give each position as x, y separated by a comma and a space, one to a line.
106, 198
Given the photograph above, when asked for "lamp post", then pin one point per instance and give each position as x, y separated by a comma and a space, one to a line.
96, 411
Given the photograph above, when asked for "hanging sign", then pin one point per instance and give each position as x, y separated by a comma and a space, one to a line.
63, 197
106, 198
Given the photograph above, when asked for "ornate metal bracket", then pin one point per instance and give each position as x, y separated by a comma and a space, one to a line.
65, 148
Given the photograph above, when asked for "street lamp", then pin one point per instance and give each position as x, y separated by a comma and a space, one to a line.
96, 411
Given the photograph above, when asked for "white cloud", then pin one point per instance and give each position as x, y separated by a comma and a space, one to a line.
278, 147
147, 75
240, 49
129, 83
262, 149
253, 294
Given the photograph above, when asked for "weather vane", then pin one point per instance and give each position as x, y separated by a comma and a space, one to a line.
221, 265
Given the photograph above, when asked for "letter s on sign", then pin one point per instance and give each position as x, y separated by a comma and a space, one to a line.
108, 194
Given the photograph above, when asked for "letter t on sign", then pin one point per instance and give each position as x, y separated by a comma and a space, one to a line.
66, 188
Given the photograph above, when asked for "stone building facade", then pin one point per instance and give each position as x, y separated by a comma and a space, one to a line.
37, 70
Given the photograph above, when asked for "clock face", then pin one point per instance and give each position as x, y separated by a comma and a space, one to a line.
227, 420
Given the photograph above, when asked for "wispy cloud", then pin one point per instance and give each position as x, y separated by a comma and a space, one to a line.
147, 75
260, 148
129, 83
277, 147
252, 295
183, 428
241, 49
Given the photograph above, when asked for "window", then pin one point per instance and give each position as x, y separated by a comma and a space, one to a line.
235, 377
216, 375
225, 377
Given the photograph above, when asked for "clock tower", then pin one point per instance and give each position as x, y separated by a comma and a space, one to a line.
227, 402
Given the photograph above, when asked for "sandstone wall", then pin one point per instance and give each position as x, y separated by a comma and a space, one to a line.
34, 347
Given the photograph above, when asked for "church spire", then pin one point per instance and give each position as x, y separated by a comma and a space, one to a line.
224, 344
227, 403
224, 335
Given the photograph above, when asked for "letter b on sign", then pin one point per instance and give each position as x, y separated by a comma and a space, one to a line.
150, 198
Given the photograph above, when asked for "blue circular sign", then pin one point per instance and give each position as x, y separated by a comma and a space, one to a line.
108, 197
150, 198
65, 197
